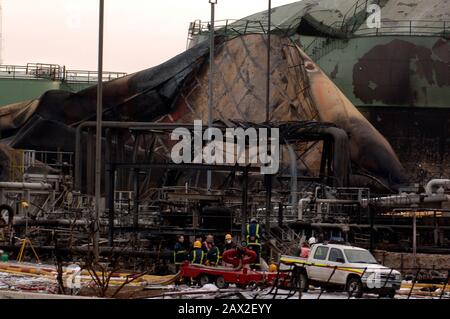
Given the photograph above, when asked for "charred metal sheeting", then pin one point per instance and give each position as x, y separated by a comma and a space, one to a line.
25, 186
143, 95
176, 92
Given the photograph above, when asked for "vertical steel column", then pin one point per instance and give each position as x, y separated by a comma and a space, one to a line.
414, 243
98, 146
268, 182
136, 200
269, 12
280, 215
294, 179
211, 80
244, 220
372, 221
90, 162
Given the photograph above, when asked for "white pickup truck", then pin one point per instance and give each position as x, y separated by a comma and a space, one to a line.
333, 266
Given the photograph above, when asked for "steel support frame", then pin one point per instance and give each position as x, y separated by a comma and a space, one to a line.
136, 167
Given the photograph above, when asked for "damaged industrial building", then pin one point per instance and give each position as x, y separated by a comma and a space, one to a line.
363, 119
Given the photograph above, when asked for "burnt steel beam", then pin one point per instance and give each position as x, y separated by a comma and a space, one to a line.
133, 126
201, 167
173, 197
300, 178
306, 134
117, 125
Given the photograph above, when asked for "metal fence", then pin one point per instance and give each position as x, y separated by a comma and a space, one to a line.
54, 72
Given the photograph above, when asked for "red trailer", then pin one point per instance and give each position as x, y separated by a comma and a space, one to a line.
223, 276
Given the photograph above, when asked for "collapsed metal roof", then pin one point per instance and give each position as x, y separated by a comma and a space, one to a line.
176, 92
348, 17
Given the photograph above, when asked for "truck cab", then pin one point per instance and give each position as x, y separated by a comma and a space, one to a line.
345, 267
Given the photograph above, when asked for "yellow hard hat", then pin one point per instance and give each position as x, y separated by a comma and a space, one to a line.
228, 237
198, 244
25, 204
273, 268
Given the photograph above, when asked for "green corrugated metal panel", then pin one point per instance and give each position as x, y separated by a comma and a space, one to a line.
17, 90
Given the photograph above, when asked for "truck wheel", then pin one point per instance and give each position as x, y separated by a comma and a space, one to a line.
303, 282
186, 281
391, 293
388, 293
203, 280
221, 283
354, 287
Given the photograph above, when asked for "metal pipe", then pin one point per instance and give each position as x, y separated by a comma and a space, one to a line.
294, 180
98, 143
407, 199
25, 186
434, 183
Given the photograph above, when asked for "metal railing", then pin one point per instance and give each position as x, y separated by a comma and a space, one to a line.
408, 27
22, 160
54, 72
232, 28
30, 71
397, 27
80, 76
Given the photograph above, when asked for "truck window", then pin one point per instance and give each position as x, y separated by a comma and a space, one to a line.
321, 253
335, 255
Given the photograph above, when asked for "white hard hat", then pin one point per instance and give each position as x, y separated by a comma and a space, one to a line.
312, 241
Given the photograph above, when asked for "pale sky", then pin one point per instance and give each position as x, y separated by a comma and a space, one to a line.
138, 33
